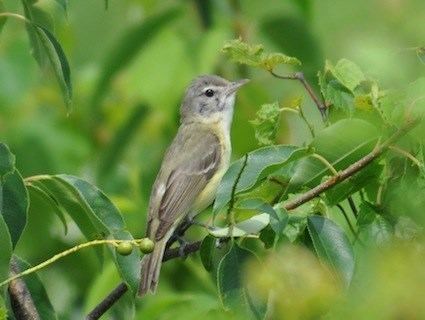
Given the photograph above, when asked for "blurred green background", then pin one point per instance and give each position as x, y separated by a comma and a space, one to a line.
117, 132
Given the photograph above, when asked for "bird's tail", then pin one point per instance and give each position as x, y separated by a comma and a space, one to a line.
151, 267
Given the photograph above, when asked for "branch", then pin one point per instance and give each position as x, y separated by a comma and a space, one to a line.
352, 169
20, 298
116, 294
122, 288
301, 78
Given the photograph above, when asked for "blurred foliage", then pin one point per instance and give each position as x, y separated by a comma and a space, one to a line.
126, 64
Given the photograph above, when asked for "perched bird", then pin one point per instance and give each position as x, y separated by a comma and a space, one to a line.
192, 167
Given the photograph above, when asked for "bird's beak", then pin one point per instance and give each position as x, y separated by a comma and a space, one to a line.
235, 86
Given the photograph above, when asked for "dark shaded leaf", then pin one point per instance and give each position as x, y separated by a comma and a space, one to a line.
7, 160
134, 40
373, 227
207, 249
2, 19
6, 249
332, 245
38, 292
232, 290
58, 62
260, 163
14, 204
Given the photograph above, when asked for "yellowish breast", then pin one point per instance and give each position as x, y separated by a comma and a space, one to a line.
206, 197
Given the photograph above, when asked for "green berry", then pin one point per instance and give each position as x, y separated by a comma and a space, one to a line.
125, 248
146, 245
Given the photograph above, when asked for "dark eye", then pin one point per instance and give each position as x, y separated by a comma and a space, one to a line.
209, 93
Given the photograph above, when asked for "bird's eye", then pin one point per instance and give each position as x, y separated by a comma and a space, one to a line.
209, 92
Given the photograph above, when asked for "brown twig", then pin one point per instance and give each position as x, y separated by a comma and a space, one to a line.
301, 78
107, 303
122, 288
22, 304
351, 170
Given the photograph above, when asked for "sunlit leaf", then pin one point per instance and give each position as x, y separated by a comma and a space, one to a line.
260, 163
250, 226
348, 74
278, 218
266, 123
333, 246
254, 55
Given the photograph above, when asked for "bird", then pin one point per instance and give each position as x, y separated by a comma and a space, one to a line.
192, 167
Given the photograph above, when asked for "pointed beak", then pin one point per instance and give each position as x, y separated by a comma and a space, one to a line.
235, 86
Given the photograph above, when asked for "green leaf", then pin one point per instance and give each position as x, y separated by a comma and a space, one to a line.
266, 123
254, 55
278, 217
50, 199
341, 144
63, 4
206, 252
373, 227
13, 195
260, 163
46, 49
332, 245
6, 249
58, 62
95, 215
231, 288
250, 226
132, 42
2, 19
7, 160
38, 292
348, 74
14, 204
128, 266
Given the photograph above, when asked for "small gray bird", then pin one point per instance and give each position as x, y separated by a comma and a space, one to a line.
192, 167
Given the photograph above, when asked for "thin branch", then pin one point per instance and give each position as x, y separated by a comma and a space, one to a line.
351, 170
20, 298
122, 288
107, 303
407, 155
344, 213
352, 205
301, 78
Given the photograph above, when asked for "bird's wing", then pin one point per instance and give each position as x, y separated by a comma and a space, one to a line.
176, 189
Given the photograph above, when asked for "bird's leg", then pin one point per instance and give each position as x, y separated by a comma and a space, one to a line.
179, 232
